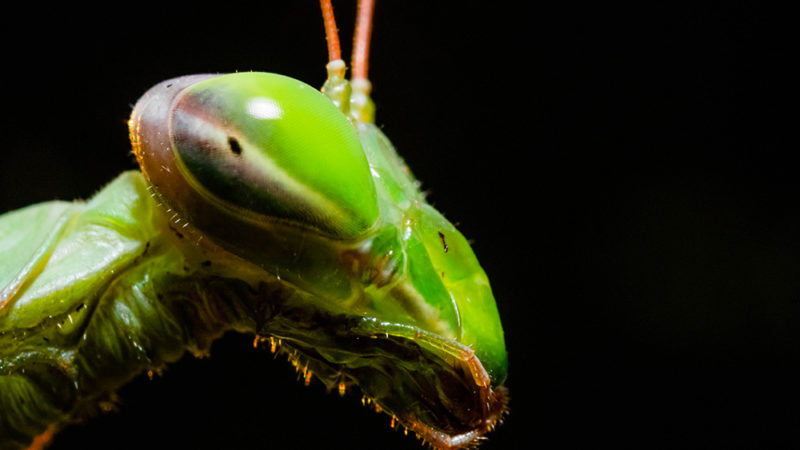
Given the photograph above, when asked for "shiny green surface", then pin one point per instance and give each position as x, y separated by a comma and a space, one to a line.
275, 145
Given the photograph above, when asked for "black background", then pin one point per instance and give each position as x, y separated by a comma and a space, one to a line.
625, 173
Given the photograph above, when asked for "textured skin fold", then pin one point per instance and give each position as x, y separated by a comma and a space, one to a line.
65, 350
85, 266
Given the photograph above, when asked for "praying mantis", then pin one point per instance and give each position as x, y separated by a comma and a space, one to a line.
345, 269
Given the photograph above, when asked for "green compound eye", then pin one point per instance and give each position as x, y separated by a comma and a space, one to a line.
270, 145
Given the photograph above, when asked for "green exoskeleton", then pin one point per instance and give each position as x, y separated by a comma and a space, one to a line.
267, 207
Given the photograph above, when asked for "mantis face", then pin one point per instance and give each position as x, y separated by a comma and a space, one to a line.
270, 170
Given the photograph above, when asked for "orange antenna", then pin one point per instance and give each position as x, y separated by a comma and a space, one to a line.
361, 38
331, 32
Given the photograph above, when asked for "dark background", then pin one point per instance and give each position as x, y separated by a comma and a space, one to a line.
625, 173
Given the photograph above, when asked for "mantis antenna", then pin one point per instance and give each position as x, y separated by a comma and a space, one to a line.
331, 32
336, 87
361, 38
362, 108
352, 98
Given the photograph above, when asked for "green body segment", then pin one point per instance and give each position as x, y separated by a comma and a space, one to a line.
95, 241
29, 236
357, 272
441, 265
87, 318
68, 342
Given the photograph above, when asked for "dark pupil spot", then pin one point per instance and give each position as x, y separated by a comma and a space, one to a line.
234, 145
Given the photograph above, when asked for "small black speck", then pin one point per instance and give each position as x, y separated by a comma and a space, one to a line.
234, 145
45, 339
80, 307
177, 233
206, 263
444, 243
169, 85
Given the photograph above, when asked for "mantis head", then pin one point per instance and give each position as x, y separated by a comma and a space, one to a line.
390, 296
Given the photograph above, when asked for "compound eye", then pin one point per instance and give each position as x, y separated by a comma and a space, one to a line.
273, 148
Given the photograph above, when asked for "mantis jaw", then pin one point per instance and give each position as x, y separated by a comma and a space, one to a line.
431, 386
